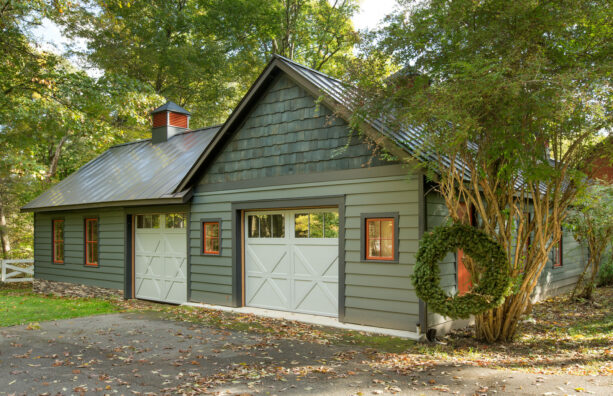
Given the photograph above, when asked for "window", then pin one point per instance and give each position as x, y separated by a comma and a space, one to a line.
557, 252
175, 220
211, 236
316, 225
58, 241
380, 237
91, 242
266, 226
148, 221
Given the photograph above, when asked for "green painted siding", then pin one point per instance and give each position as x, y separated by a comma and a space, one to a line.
378, 294
110, 272
554, 280
436, 216
287, 133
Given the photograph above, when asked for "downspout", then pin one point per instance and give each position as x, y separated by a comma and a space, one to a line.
422, 226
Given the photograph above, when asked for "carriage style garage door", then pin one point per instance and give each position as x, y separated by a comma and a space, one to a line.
291, 260
160, 257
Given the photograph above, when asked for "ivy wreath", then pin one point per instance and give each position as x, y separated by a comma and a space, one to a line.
489, 258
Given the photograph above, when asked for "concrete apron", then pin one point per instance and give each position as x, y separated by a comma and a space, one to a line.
326, 321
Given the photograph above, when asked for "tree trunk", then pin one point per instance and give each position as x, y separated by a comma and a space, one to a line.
55, 158
4, 238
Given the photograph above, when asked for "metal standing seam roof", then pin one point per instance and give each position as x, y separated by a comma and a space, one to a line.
129, 172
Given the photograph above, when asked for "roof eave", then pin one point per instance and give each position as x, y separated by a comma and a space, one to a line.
174, 199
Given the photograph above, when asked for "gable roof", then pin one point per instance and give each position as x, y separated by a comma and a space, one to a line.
129, 174
333, 92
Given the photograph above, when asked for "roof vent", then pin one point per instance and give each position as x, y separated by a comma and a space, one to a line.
168, 120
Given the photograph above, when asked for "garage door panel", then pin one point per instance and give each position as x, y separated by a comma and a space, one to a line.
268, 292
268, 259
160, 260
293, 271
314, 297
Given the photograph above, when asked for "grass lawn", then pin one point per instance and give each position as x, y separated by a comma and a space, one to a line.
19, 305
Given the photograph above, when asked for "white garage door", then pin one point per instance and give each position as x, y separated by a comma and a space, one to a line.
291, 260
160, 257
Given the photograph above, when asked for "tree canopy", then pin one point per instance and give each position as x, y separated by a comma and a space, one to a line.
56, 115
510, 97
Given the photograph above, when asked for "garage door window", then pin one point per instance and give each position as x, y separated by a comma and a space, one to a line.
266, 226
175, 220
148, 221
316, 225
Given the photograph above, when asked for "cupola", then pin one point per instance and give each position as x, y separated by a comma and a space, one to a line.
168, 120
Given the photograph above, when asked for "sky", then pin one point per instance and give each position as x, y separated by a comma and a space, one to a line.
371, 13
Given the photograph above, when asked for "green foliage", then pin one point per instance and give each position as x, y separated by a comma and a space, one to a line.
605, 274
204, 54
489, 289
512, 95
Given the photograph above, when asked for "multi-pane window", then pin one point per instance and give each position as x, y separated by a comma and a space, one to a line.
380, 239
58, 241
175, 220
91, 242
316, 225
148, 221
211, 236
266, 226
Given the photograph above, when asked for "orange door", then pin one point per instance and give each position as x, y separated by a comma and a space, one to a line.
464, 280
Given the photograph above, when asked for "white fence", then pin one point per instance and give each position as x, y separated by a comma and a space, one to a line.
10, 271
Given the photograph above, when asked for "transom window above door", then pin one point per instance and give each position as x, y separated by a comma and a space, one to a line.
316, 225
266, 226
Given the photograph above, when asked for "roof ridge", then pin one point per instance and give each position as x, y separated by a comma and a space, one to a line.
283, 58
180, 133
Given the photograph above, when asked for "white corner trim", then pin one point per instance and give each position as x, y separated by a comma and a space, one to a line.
311, 319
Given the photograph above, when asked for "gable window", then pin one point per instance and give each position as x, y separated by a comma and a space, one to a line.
58, 241
380, 237
211, 237
91, 242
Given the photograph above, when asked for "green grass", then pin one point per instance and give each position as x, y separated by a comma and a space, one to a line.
18, 306
380, 343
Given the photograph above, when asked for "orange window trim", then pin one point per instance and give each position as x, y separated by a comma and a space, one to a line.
558, 256
380, 238
206, 237
89, 243
55, 242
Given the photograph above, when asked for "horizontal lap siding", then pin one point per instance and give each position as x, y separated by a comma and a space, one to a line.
378, 294
437, 215
558, 279
109, 273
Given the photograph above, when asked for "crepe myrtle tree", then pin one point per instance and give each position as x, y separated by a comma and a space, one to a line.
508, 98
591, 221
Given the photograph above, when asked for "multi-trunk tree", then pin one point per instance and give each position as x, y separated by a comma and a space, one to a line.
591, 221
509, 97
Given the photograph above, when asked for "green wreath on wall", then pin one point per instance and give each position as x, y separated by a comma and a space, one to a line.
493, 286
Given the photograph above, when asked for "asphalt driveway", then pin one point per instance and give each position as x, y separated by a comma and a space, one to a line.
139, 353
